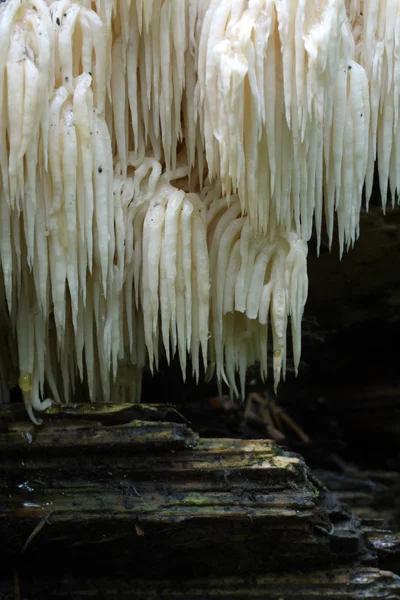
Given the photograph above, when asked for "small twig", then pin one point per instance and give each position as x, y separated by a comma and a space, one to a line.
34, 533
272, 412
272, 431
17, 587
293, 425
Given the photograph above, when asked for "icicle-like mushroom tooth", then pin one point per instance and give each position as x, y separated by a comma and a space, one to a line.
186, 249
162, 165
254, 281
174, 208
200, 280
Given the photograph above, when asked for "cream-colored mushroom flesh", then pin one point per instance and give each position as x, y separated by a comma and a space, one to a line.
163, 165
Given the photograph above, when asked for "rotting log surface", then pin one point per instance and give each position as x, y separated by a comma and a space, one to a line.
337, 584
132, 491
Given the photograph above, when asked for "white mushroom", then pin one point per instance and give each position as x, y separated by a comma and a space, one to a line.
162, 166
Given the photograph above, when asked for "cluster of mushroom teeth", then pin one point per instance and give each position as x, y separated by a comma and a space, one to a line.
162, 166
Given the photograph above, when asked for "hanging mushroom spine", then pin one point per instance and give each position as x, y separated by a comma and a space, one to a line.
162, 167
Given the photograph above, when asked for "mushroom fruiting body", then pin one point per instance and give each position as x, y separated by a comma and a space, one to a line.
162, 165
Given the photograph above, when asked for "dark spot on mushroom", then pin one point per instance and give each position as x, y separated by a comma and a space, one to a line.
90, 73
58, 21
349, 67
361, 114
100, 169
66, 79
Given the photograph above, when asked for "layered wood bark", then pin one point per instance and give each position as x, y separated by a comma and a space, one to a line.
337, 584
131, 492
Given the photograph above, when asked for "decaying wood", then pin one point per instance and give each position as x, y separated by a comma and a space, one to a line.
337, 584
372, 496
132, 489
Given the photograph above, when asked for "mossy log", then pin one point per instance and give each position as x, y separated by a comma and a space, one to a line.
132, 490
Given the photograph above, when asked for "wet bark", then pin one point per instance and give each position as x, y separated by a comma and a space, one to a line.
96, 496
